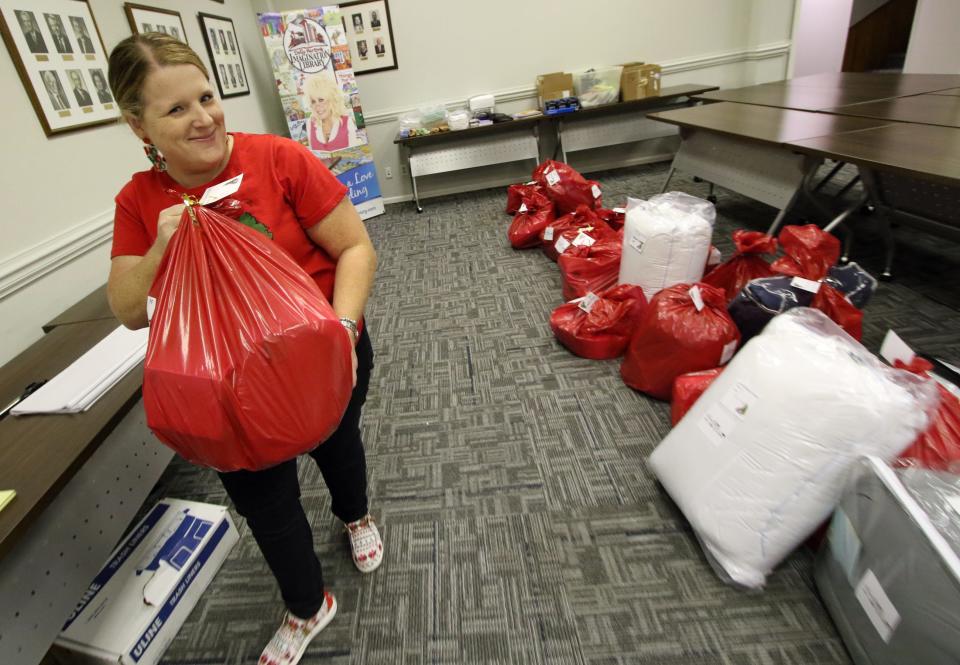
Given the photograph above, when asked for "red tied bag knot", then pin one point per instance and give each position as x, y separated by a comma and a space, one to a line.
917, 365
605, 330
678, 334
614, 218
247, 364
566, 187
747, 264
594, 268
566, 229
516, 194
938, 447
527, 226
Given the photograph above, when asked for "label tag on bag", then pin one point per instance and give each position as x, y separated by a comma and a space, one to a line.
588, 301
561, 245
552, 178
894, 348
522, 208
548, 233
875, 602
697, 298
721, 419
620, 211
636, 242
806, 284
727, 352
595, 191
151, 306
583, 240
222, 190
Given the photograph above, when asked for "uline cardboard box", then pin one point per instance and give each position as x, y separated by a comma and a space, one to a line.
639, 80
140, 598
554, 86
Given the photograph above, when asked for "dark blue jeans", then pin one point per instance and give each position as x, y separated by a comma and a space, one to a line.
269, 499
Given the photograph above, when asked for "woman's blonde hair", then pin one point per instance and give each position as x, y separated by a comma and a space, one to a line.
136, 56
324, 86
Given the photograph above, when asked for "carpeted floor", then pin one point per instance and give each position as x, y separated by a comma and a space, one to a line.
520, 520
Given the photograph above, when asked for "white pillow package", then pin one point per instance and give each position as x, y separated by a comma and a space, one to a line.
760, 460
665, 242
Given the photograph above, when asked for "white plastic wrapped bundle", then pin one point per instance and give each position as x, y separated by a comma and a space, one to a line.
761, 458
687, 203
663, 244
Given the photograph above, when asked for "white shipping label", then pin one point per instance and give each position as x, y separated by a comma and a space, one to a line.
588, 301
728, 350
552, 178
620, 211
881, 612
894, 348
561, 245
806, 284
548, 233
583, 240
151, 305
596, 192
636, 242
721, 419
222, 190
696, 297
522, 208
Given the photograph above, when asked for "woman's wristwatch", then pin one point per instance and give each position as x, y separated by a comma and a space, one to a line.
350, 325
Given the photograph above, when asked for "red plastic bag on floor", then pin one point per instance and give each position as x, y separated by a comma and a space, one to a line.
534, 214
566, 187
515, 194
594, 268
685, 328
581, 227
614, 217
687, 389
247, 364
599, 328
746, 264
836, 305
937, 448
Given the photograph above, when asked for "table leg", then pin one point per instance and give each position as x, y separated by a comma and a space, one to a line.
563, 153
413, 180
666, 183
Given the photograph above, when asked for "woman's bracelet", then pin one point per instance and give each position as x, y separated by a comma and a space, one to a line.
350, 325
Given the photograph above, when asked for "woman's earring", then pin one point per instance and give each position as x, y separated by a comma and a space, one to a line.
155, 156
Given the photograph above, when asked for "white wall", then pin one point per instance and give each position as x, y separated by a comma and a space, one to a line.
820, 36
59, 191
933, 40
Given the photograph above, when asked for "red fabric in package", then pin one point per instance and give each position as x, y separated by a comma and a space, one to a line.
515, 194
564, 230
527, 226
247, 364
687, 389
605, 330
746, 264
675, 337
937, 448
566, 187
595, 268
810, 252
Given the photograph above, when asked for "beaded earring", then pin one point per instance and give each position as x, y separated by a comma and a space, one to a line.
155, 156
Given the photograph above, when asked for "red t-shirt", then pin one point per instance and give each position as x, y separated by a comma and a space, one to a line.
284, 187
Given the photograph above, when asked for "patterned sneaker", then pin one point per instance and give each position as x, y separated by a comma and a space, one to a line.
366, 544
294, 634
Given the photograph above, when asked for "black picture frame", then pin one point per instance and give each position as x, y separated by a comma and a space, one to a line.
155, 19
223, 49
372, 47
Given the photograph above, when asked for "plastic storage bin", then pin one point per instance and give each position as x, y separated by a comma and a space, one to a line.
597, 86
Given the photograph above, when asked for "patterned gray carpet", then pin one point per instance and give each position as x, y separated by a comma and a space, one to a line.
520, 520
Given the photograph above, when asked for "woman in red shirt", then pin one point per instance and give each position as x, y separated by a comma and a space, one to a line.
163, 89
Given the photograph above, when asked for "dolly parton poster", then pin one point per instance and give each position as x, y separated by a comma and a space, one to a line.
310, 56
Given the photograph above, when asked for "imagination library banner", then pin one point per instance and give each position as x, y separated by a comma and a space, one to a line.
311, 63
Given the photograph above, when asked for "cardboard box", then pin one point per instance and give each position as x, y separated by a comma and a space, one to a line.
554, 86
140, 598
639, 80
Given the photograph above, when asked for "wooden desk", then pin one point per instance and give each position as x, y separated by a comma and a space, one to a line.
927, 109
949, 91
93, 307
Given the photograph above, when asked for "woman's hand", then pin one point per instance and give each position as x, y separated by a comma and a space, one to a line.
167, 223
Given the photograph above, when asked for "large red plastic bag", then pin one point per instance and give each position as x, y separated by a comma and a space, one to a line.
663, 245
687, 389
746, 264
581, 227
835, 305
515, 194
760, 459
590, 268
599, 326
534, 214
939, 446
684, 329
566, 187
247, 364
614, 217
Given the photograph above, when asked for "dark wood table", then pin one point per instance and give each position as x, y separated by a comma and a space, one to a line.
949, 91
926, 109
93, 307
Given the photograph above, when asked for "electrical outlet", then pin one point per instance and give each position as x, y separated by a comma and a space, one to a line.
387, 172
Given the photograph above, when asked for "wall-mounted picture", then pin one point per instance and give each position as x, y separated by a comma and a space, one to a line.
368, 29
153, 19
57, 50
223, 47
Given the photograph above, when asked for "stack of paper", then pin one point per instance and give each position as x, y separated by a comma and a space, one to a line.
81, 384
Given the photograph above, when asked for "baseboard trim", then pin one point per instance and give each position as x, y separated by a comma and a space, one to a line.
26, 267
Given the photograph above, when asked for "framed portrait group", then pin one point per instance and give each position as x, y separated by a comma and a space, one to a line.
61, 59
368, 28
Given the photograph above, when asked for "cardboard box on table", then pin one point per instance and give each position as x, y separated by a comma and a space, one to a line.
639, 80
140, 598
554, 86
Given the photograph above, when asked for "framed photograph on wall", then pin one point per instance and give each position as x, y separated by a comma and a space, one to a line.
367, 24
223, 47
153, 19
57, 50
